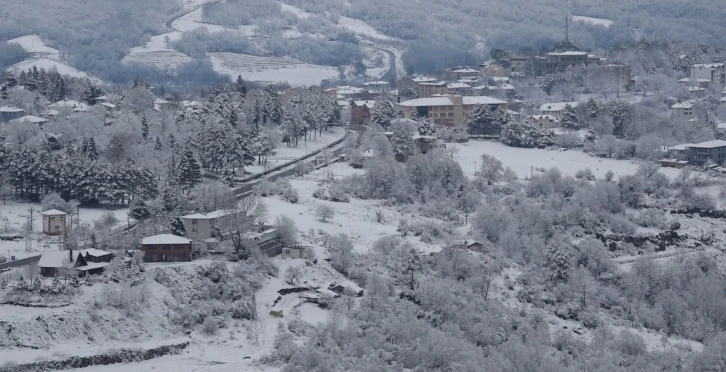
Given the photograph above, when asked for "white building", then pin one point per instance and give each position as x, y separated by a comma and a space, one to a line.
378, 86
713, 72
556, 109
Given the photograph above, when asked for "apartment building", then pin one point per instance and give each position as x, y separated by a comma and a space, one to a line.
424, 90
705, 153
448, 110
713, 72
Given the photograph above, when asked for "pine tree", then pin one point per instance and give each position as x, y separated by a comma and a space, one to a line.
9, 80
558, 263
91, 150
592, 109
94, 243
382, 113
427, 127
4, 92
115, 150
232, 119
241, 85
157, 144
189, 172
228, 177
177, 227
401, 143
569, 118
144, 127
482, 121
413, 265
172, 141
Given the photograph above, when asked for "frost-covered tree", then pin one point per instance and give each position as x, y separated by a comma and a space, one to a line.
325, 212
491, 169
228, 177
157, 144
144, 127
341, 253
427, 127
176, 226
558, 263
569, 118
412, 266
288, 230
401, 143
382, 113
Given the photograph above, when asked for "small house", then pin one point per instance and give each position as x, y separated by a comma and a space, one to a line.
54, 222
8, 113
82, 262
29, 119
166, 248
294, 252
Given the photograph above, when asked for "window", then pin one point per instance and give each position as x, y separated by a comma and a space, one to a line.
194, 222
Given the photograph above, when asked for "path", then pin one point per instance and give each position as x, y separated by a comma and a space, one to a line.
391, 75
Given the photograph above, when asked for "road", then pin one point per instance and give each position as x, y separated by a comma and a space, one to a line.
391, 75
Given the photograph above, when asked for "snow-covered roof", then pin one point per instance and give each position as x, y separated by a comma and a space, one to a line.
160, 101
495, 87
342, 103
681, 147
94, 252
109, 105
10, 109
379, 82
369, 103
683, 105
53, 258
99, 98
570, 53
458, 85
709, 65
349, 90
446, 100
557, 106
695, 89
434, 83
165, 239
30, 119
465, 71
423, 79
206, 216
699, 80
500, 79
75, 105
92, 265
468, 81
53, 212
710, 144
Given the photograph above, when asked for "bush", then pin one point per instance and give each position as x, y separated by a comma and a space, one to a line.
210, 327
325, 212
590, 320
319, 193
337, 193
290, 195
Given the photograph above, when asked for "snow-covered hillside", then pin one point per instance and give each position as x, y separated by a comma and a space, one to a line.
594, 21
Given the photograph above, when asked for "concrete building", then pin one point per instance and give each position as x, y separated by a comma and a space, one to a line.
377, 87
556, 109
54, 222
685, 111
460, 89
713, 72
8, 113
492, 70
294, 252
448, 110
424, 90
166, 248
409, 82
559, 62
360, 111
518, 66
544, 121
465, 73
201, 226
501, 90
706, 153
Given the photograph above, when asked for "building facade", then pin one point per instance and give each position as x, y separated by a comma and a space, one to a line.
448, 110
360, 111
713, 72
424, 90
559, 62
706, 153
166, 248
8, 113
54, 222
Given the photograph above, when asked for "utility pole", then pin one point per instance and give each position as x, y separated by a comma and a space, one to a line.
31, 218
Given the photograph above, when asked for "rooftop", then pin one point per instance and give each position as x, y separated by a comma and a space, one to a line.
683, 105
10, 109
206, 216
75, 105
423, 79
30, 119
557, 106
379, 82
53, 259
165, 239
53, 212
458, 85
709, 65
710, 144
570, 53
369, 103
447, 101
435, 83
465, 71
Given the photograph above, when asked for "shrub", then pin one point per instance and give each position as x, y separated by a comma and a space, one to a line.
210, 327
337, 193
290, 195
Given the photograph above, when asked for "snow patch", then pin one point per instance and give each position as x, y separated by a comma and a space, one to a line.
595, 21
271, 69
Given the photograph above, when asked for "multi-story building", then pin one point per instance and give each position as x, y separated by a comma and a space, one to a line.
705, 153
686, 111
377, 86
460, 89
713, 72
518, 65
556, 109
559, 62
465, 73
448, 110
424, 90
360, 111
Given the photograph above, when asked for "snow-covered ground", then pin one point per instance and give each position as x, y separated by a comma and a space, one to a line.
156, 51
362, 28
271, 69
34, 44
524, 162
400, 70
294, 10
377, 62
13, 216
283, 153
595, 21
49, 64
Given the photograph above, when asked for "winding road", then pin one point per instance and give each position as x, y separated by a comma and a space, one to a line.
391, 75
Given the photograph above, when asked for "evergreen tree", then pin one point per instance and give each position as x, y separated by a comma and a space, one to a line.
241, 86
427, 127
177, 227
228, 177
413, 265
144, 127
172, 141
569, 118
157, 144
4, 92
558, 263
401, 143
94, 242
189, 172
592, 109
9, 80
115, 150
482, 121
232, 119
382, 113
91, 150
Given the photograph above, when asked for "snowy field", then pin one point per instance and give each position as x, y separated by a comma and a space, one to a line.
271, 69
13, 217
356, 218
34, 44
522, 160
49, 64
156, 52
377, 62
284, 153
595, 21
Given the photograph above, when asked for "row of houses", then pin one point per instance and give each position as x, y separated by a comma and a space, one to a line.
704, 154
